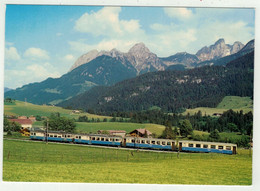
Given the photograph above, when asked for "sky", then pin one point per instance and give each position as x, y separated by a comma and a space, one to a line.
44, 41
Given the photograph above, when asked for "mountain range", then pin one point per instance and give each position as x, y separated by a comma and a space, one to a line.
172, 91
106, 68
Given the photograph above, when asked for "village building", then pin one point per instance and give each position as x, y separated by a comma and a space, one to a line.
140, 133
217, 114
121, 133
76, 111
25, 123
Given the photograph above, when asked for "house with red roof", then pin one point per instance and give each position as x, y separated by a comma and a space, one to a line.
25, 123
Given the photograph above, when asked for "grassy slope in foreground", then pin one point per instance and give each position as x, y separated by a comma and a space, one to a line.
229, 102
38, 162
22, 108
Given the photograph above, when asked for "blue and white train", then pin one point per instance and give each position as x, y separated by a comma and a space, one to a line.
135, 142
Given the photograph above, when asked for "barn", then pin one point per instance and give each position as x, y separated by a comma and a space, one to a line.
140, 133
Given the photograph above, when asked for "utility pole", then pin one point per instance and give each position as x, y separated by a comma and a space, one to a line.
47, 126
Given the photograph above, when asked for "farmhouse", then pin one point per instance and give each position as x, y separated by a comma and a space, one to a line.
113, 132
25, 123
140, 133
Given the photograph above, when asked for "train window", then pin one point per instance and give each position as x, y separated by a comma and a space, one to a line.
51, 135
107, 139
168, 143
68, 136
79, 137
153, 142
220, 147
102, 139
163, 142
59, 136
55, 135
143, 141
158, 143
76, 137
213, 146
228, 147
133, 141
197, 145
190, 145
205, 146
31, 133
148, 142
98, 139
93, 138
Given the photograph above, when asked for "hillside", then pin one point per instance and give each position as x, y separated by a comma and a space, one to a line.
27, 109
172, 91
228, 102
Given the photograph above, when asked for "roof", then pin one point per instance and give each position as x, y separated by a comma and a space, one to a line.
22, 121
142, 131
113, 131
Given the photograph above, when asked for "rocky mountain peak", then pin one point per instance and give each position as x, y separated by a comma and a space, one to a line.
218, 50
237, 46
220, 41
85, 58
139, 48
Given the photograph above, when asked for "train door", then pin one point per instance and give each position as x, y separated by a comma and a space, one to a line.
234, 150
124, 142
173, 146
90, 140
180, 146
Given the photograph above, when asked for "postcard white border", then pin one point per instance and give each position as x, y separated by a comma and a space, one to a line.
119, 187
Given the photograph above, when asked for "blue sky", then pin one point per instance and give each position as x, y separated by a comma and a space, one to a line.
45, 41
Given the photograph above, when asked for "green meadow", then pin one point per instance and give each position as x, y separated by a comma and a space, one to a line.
27, 109
85, 127
235, 103
40, 162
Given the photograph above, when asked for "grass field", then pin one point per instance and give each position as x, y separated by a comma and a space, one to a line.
38, 162
229, 102
83, 127
27, 109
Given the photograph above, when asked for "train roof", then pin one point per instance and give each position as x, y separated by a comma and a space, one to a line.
63, 132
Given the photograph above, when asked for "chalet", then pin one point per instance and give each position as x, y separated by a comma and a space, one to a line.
217, 114
76, 111
113, 132
140, 133
25, 123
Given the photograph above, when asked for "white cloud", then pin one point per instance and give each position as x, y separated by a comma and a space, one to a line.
69, 57
179, 13
33, 73
36, 53
11, 54
106, 22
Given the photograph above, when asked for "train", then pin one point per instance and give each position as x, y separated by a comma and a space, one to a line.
135, 142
